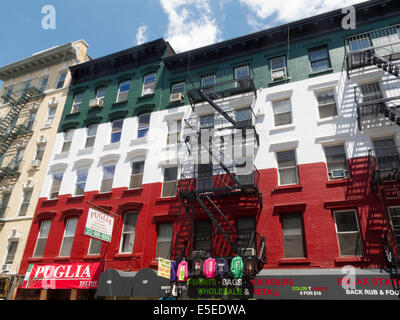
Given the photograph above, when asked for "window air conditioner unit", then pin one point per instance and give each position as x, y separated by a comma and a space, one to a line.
96, 102
175, 97
340, 173
6, 267
277, 75
248, 252
36, 163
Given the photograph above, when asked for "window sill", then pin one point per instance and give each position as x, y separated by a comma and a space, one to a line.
46, 127
277, 82
291, 187
349, 259
328, 120
62, 155
119, 104
174, 104
145, 96
132, 192
123, 255
85, 151
338, 182
72, 115
75, 199
295, 261
35, 259
112, 146
167, 199
320, 72
139, 141
50, 202
102, 195
286, 127
62, 258
92, 257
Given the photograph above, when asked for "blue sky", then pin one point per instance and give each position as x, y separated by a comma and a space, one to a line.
112, 25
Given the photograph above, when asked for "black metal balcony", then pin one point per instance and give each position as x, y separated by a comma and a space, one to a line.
384, 165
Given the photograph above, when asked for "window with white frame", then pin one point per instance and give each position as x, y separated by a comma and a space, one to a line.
282, 112
43, 84
91, 135
278, 68
164, 240
68, 239
241, 72
50, 116
143, 125
68, 135
26, 199
61, 80
287, 167
208, 82
55, 186
42, 238
207, 121
123, 91
149, 83
40, 151
81, 177
174, 131
326, 104
31, 119
293, 237
101, 92
11, 250
336, 162
76, 104
94, 247
177, 91
244, 115
348, 233
5, 199
394, 213
128, 232
170, 182
108, 178
25, 88
136, 175
387, 155
116, 130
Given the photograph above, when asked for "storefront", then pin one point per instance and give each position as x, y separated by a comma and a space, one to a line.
68, 281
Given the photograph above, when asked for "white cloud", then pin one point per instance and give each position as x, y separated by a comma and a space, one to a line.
288, 11
191, 24
140, 35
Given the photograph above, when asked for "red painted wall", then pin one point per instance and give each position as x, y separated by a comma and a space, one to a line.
315, 197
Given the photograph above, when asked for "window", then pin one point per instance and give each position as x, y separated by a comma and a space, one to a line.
101, 92
18, 159
4, 203
42, 238
25, 88
246, 233
282, 112
43, 84
360, 43
170, 182
278, 68
177, 90
164, 240
9, 91
394, 213
94, 247
12, 249
174, 131
55, 187
202, 236
144, 124
81, 177
77, 102
31, 120
61, 80
50, 116
40, 151
241, 72
348, 234
370, 92
207, 82
137, 175
123, 91
336, 162
108, 177
244, 116
387, 154
149, 83
319, 59
207, 122
293, 239
26, 198
91, 135
69, 235
128, 232
116, 130
287, 167
326, 104
67, 140
204, 177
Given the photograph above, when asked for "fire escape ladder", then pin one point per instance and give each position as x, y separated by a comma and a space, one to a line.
390, 111
384, 64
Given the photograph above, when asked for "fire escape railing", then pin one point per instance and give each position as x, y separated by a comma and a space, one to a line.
384, 166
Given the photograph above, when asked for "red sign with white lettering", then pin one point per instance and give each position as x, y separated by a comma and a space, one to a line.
77, 275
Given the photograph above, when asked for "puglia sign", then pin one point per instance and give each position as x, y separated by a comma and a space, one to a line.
99, 225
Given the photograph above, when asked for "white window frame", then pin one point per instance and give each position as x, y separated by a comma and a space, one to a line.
116, 130
41, 87
91, 137
40, 149
342, 232
24, 202
59, 79
109, 164
127, 91
123, 232
50, 118
296, 167
300, 214
52, 184
39, 238
173, 137
10, 241
68, 137
284, 69
290, 112
80, 182
327, 91
73, 237
136, 174
163, 240
170, 181
99, 89
76, 104
143, 127
148, 87
90, 246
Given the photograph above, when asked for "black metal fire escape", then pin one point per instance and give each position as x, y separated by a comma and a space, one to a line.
384, 165
203, 187
380, 48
